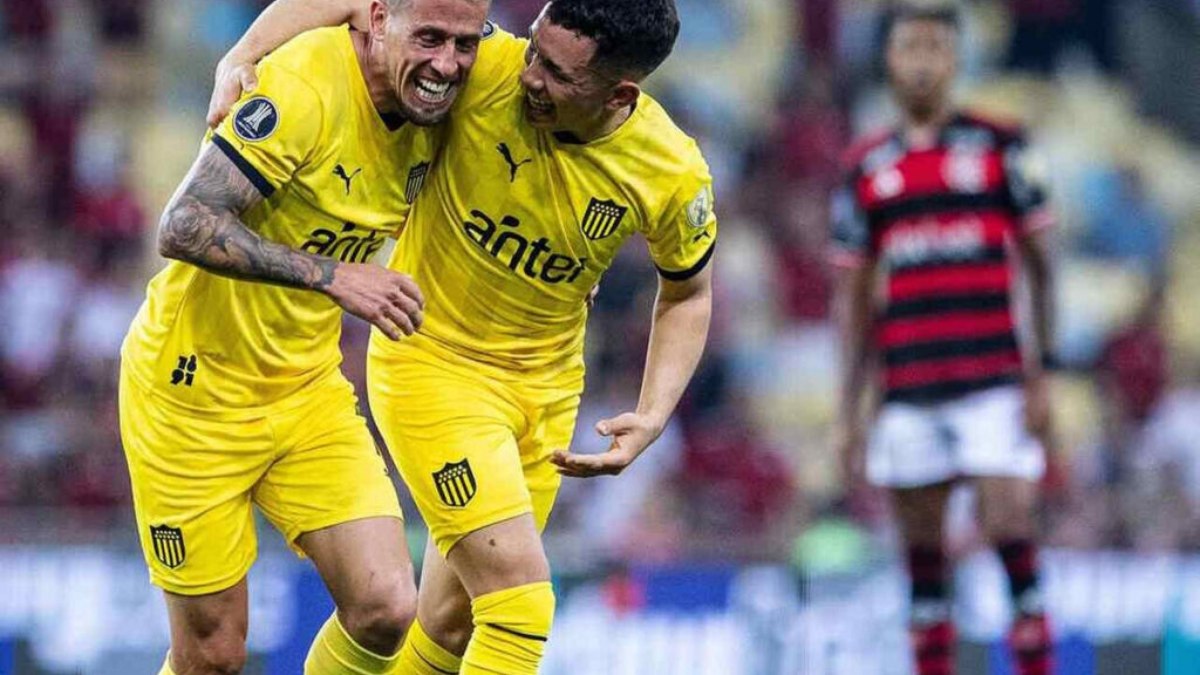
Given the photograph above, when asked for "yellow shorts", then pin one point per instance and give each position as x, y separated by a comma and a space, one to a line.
307, 464
472, 445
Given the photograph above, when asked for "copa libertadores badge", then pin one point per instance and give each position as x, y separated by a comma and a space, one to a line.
256, 120
700, 208
455, 483
601, 218
168, 545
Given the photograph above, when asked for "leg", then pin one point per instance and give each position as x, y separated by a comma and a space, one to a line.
208, 632
365, 565
505, 571
439, 637
921, 513
1007, 507
330, 495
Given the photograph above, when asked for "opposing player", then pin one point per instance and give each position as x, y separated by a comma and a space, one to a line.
231, 393
553, 158
941, 206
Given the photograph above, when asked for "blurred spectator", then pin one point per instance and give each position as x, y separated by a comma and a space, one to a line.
1122, 220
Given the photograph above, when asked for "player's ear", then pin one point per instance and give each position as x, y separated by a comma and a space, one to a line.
378, 16
624, 94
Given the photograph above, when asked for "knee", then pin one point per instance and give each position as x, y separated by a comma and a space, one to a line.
380, 621
449, 624
213, 655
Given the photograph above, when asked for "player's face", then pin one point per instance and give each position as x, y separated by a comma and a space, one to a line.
562, 91
921, 62
430, 47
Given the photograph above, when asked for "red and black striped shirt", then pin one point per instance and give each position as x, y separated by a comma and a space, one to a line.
940, 221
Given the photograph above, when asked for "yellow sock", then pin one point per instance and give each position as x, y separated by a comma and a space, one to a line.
511, 628
420, 655
166, 668
334, 652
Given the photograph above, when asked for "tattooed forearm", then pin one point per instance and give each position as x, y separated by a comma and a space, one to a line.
202, 226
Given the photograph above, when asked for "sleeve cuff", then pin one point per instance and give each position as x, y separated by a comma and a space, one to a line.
252, 174
684, 275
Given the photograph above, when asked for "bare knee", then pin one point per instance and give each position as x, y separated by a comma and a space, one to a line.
379, 619
216, 654
449, 623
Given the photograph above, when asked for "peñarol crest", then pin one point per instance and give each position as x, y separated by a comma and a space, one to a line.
601, 218
455, 483
168, 545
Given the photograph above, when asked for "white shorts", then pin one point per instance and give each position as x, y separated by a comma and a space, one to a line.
980, 434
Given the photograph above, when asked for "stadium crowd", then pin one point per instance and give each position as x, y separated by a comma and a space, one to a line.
102, 102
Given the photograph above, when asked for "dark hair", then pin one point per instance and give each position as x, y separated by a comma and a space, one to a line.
942, 12
633, 37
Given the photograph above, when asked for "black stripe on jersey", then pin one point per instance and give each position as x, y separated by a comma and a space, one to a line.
991, 254
941, 391
975, 302
691, 271
264, 186
927, 351
940, 202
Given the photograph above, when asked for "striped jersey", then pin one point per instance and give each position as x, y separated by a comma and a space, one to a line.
939, 223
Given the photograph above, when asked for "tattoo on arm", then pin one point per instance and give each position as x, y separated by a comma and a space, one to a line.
202, 226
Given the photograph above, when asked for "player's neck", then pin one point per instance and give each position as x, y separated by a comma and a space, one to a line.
922, 127
603, 126
374, 70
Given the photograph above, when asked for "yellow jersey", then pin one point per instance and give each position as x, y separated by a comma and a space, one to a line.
338, 179
516, 224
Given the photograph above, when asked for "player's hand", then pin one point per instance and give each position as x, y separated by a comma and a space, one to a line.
631, 433
389, 300
850, 442
233, 78
1038, 421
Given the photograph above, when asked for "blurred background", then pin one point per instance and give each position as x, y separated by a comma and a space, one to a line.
729, 548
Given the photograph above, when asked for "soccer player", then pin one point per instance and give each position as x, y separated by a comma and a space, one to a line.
553, 158
941, 207
231, 393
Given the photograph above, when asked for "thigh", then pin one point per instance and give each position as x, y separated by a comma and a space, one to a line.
453, 437
552, 424
992, 438
909, 447
363, 561
1006, 507
921, 513
192, 476
205, 627
329, 470
503, 555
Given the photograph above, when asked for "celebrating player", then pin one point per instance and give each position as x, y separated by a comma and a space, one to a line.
553, 157
231, 393
936, 206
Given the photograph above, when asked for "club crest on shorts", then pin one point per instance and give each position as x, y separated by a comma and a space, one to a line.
416, 179
168, 545
455, 483
601, 218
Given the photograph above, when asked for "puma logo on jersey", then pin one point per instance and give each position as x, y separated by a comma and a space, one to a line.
512, 165
504, 243
340, 172
346, 246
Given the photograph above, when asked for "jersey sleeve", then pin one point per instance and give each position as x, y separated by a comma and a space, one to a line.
683, 241
500, 60
1025, 181
850, 231
273, 130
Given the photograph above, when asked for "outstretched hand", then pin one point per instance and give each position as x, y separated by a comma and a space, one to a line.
231, 81
631, 433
